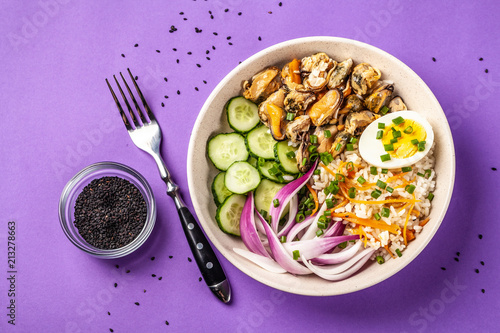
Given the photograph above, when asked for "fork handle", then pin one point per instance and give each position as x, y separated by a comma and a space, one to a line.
208, 264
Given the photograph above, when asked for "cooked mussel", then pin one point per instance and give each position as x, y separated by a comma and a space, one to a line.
339, 74
262, 84
352, 103
303, 154
273, 115
357, 121
326, 109
339, 143
397, 104
363, 78
298, 128
315, 70
297, 102
291, 77
379, 98
325, 142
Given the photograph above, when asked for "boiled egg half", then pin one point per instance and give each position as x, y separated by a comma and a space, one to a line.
396, 140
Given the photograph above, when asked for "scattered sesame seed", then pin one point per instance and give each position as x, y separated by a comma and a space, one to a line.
197, 30
482, 263
269, 12
200, 279
230, 43
208, 58
177, 61
144, 290
476, 270
116, 284
123, 55
228, 37
174, 49
190, 53
196, 88
137, 303
178, 92
165, 96
433, 59
189, 259
157, 51
486, 71
162, 104
259, 38
239, 13
211, 17
226, 10
166, 80
280, 4
216, 34
456, 259
170, 257
152, 258
136, 45
480, 59
443, 268
483, 291
204, 81
117, 266
458, 254
127, 271
111, 330
494, 169
109, 314
207, 52
181, 13
166, 323
136, 78
160, 278
198, 65
153, 275
480, 236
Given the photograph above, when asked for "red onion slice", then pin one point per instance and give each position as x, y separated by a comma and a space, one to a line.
294, 208
298, 227
248, 231
267, 263
314, 247
338, 257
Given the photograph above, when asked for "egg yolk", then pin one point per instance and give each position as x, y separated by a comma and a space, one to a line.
403, 147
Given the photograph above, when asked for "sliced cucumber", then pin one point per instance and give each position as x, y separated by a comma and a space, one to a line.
260, 143
229, 213
268, 170
253, 161
219, 190
225, 149
281, 149
241, 178
242, 114
265, 193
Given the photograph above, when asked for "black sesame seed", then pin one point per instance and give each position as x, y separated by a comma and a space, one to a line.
181, 13
259, 38
197, 30
213, 47
210, 12
228, 37
230, 43
153, 275
137, 303
190, 52
144, 290
443, 268
494, 169
198, 65
482, 263
486, 71
166, 96
196, 88
117, 266
157, 51
456, 259
200, 279
280, 4
433, 59
127, 271
153, 258
116, 285
162, 104
458, 254
185, 19
207, 52
109, 314
123, 55
211, 17
476, 270
239, 14
170, 257
178, 92
111, 330
189, 259
226, 10
136, 78
483, 291
174, 49
480, 59
216, 34
208, 58
166, 80
204, 81
160, 278
166, 323
136, 45
480, 236
177, 61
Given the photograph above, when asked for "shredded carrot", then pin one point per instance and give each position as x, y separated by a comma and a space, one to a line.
406, 223
327, 169
393, 178
342, 204
365, 236
392, 255
424, 222
381, 202
415, 212
293, 68
315, 197
351, 217
343, 189
404, 207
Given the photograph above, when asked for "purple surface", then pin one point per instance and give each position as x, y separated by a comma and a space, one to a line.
58, 117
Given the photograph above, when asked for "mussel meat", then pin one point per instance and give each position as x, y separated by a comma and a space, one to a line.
363, 77
397, 104
326, 109
315, 70
339, 74
379, 98
262, 85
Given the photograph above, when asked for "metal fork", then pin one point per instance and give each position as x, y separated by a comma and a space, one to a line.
147, 136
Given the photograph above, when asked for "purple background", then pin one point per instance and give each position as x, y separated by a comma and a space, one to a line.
58, 117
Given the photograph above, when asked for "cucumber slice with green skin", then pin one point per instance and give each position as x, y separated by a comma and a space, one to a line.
253, 161
219, 190
241, 178
225, 149
264, 195
229, 213
265, 170
260, 143
281, 149
242, 114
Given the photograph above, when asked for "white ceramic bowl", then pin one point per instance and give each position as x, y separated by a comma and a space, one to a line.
212, 120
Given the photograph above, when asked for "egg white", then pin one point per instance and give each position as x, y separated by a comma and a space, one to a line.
371, 148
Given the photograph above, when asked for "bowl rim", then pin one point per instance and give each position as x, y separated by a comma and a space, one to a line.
327, 39
150, 202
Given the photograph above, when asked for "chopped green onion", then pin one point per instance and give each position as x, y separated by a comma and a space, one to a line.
326, 158
313, 139
421, 146
308, 212
296, 254
389, 189
290, 155
349, 147
276, 203
290, 116
381, 184
319, 232
430, 196
393, 140
327, 134
263, 213
349, 167
321, 225
261, 161
389, 147
329, 203
384, 110
414, 141
304, 161
398, 120
299, 217
377, 216
311, 205
408, 130
410, 188
283, 239
317, 172
373, 170
338, 147
361, 180
385, 157
385, 212
380, 259
312, 149
352, 192
385, 171
381, 125
396, 134
342, 245
340, 177
335, 190
420, 174
380, 134
313, 157
322, 219
280, 178
353, 140
327, 213
376, 193
428, 173
406, 169
398, 252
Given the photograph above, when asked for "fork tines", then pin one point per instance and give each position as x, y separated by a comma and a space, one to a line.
131, 111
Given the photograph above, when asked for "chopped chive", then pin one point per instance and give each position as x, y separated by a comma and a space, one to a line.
327, 213
327, 134
321, 225
381, 125
326, 158
350, 167
385, 212
312, 149
396, 134
263, 213
353, 140
398, 252
420, 174
335, 189
349, 147
408, 130
380, 134
280, 178
373, 170
340, 177
283, 239
261, 161
381, 184
296, 254
384, 110
322, 219
385, 157
313, 139
338, 147
414, 141
299, 217
290, 155
430, 196
393, 140
377, 216
389, 147
385, 171
428, 173
319, 232
380, 260
329, 203
376, 193
313, 157
406, 169
421, 146
398, 120
317, 172
361, 180
304, 161
342, 245
352, 192
389, 189
410, 188
290, 116
308, 212
276, 203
